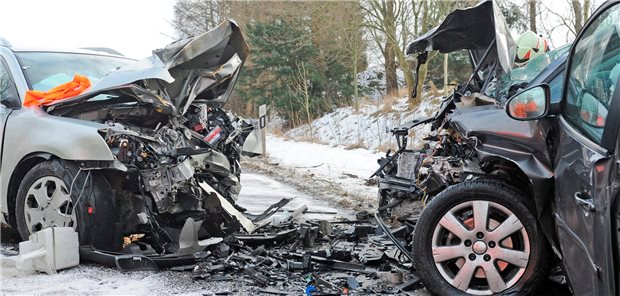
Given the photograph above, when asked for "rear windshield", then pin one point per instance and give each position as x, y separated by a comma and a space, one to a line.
45, 70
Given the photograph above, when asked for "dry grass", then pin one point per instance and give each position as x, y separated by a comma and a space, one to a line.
387, 146
310, 139
358, 145
276, 130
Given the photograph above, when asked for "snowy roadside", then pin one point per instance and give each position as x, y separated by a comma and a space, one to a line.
369, 128
333, 173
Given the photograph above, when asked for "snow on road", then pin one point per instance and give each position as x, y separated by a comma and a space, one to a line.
349, 168
257, 194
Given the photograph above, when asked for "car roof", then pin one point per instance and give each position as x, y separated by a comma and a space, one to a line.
66, 50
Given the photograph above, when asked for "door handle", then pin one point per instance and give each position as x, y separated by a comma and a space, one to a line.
585, 202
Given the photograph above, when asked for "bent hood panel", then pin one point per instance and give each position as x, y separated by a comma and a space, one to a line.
201, 67
473, 28
205, 67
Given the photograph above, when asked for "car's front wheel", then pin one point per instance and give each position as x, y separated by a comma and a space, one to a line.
57, 193
479, 238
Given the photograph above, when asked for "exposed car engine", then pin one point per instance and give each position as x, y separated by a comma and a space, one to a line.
176, 151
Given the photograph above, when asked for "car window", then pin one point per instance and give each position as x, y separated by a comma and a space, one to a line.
45, 70
6, 81
555, 87
593, 75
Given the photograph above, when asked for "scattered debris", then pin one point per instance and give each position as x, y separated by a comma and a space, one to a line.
281, 257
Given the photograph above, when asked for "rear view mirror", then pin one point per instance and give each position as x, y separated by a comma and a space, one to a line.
530, 104
592, 111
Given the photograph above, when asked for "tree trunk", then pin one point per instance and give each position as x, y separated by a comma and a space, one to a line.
391, 80
532, 12
578, 13
586, 10
355, 90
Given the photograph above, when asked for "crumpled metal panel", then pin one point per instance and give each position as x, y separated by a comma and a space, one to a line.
202, 67
205, 66
472, 28
523, 142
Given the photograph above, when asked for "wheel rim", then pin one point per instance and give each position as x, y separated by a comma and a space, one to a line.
480, 247
47, 204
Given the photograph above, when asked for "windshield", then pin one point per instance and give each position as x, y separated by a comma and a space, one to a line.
46, 70
536, 65
525, 74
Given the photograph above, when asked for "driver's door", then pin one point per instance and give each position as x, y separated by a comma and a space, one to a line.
8, 98
586, 162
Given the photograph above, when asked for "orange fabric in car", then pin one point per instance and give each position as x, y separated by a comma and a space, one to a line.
521, 109
62, 92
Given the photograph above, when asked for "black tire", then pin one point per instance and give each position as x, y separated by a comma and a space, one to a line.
97, 228
457, 197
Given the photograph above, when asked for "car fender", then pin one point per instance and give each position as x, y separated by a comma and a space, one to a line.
31, 131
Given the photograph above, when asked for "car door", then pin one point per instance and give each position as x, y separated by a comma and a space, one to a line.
8, 98
586, 162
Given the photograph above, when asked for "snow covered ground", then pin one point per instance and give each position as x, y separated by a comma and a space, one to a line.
341, 148
369, 128
348, 168
257, 194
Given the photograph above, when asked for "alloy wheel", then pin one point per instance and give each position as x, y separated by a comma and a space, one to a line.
48, 203
480, 247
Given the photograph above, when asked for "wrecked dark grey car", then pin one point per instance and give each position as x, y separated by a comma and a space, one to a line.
141, 158
520, 172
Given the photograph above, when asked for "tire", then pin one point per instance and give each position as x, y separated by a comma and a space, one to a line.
454, 272
43, 201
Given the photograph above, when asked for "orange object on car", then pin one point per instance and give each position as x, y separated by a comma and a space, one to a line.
62, 92
521, 109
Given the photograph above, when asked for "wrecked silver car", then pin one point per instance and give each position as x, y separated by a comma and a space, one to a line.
142, 156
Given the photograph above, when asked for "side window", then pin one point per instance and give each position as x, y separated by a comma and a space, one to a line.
593, 75
7, 86
555, 86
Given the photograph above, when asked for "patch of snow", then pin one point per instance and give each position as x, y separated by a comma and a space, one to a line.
348, 168
369, 128
258, 192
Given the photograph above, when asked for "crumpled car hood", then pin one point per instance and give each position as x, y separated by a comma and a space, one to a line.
474, 29
204, 67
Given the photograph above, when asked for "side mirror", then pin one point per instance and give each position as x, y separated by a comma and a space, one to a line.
530, 104
592, 111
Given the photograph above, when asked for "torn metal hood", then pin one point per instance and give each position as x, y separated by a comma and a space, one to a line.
204, 67
474, 29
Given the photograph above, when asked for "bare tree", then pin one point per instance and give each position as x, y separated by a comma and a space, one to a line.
532, 15
301, 89
381, 20
573, 20
355, 42
192, 17
577, 15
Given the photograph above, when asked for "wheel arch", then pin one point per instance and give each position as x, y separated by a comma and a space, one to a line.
527, 179
21, 169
